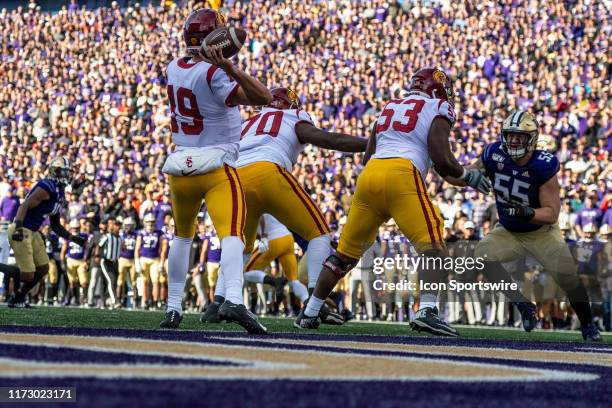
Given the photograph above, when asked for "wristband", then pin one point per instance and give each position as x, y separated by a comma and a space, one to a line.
18, 224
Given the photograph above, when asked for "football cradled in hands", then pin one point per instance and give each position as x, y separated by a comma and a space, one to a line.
229, 39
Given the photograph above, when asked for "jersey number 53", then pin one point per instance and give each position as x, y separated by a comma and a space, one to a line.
405, 126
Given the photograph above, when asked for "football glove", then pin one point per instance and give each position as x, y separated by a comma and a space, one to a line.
18, 235
79, 240
476, 179
517, 210
263, 245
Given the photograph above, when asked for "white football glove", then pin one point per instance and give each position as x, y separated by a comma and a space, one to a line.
477, 179
263, 245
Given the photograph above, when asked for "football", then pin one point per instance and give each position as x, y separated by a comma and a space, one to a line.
230, 39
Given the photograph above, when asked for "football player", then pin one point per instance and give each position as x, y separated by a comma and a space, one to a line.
44, 200
275, 242
73, 256
527, 198
167, 239
127, 269
146, 254
209, 258
52, 246
204, 92
409, 136
590, 255
199, 263
271, 142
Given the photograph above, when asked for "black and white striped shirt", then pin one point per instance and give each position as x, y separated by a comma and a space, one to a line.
110, 246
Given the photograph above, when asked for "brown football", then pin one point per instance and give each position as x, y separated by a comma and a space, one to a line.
230, 39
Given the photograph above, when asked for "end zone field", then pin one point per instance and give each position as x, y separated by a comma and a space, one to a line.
114, 358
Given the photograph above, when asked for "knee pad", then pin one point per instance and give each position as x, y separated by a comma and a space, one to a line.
338, 266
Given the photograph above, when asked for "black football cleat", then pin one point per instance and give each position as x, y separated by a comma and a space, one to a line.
231, 312
428, 320
590, 333
528, 315
17, 302
172, 320
329, 317
211, 314
306, 322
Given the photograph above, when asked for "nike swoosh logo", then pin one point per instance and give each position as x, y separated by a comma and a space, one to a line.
188, 173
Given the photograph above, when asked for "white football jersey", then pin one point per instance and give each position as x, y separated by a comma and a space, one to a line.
403, 127
273, 228
200, 114
270, 136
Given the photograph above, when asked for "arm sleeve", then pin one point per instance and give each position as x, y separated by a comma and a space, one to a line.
222, 87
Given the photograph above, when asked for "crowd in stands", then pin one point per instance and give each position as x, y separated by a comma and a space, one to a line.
89, 84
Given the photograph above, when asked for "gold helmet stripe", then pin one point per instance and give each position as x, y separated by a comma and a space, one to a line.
516, 119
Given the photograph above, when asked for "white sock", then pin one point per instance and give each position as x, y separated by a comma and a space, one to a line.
254, 276
427, 300
314, 306
220, 286
299, 290
319, 249
232, 267
178, 265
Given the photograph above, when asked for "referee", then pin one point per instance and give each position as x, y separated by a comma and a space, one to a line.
109, 249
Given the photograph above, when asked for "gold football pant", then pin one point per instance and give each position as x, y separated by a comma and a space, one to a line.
30, 253
127, 268
271, 189
212, 273
546, 245
280, 248
53, 275
149, 269
391, 188
222, 191
77, 271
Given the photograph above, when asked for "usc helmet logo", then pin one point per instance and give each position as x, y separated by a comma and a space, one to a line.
291, 94
439, 76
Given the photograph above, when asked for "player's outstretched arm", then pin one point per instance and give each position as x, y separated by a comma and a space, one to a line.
307, 133
445, 163
251, 91
476, 165
58, 228
371, 147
